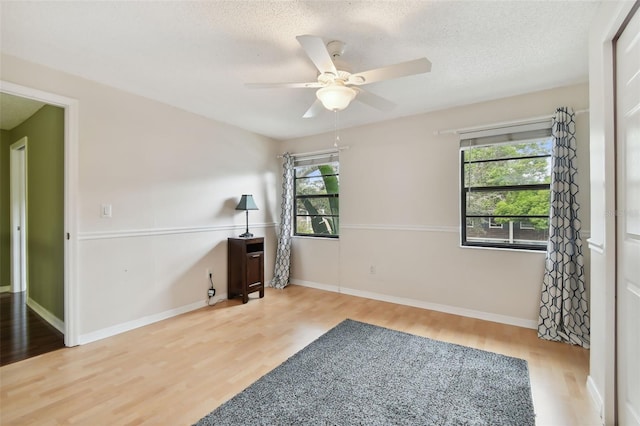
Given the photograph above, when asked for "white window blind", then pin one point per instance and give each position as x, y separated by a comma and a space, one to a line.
315, 159
509, 134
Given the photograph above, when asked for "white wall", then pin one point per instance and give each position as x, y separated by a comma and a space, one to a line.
399, 206
601, 380
173, 179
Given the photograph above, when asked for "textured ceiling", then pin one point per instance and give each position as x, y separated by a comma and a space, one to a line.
198, 55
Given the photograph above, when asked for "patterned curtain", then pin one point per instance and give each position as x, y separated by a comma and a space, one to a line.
283, 253
564, 312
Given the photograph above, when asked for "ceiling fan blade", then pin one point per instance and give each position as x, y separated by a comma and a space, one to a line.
314, 84
314, 110
402, 69
318, 53
374, 100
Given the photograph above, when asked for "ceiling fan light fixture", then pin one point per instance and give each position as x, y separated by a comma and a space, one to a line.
336, 97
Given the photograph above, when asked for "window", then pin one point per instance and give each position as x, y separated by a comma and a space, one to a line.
317, 190
505, 194
525, 224
494, 224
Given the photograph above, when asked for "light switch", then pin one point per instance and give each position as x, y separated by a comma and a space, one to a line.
105, 210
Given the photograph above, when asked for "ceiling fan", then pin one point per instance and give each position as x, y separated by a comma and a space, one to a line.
337, 87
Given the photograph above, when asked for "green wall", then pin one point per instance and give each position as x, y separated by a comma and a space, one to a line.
5, 248
45, 206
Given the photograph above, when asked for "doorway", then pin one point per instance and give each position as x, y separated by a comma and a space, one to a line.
18, 215
32, 311
69, 324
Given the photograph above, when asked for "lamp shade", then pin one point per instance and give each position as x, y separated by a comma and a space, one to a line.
246, 203
336, 97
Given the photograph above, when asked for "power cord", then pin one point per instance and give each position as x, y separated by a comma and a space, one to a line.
211, 292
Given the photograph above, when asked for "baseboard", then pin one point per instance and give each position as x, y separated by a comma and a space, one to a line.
470, 313
318, 286
46, 315
596, 398
140, 322
5, 288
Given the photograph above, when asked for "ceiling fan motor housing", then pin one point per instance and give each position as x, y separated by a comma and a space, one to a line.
328, 78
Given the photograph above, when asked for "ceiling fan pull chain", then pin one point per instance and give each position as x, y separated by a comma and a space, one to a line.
335, 129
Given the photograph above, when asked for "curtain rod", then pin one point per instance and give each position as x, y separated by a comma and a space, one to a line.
323, 151
501, 124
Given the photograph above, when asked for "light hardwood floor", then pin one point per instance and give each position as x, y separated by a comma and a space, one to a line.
176, 371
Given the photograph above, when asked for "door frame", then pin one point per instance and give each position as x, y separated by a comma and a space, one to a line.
619, 223
71, 129
602, 380
18, 215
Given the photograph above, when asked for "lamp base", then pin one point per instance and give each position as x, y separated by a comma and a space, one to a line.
246, 235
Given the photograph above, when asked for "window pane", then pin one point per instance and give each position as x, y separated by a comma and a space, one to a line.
317, 185
534, 233
508, 203
317, 180
310, 186
524, 149
303, 225
316, 225
317, 206
525, 171
318, 169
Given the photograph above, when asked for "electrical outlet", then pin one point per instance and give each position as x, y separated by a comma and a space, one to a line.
211, 291
372, 270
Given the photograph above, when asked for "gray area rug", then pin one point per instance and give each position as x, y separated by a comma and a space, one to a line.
361, 374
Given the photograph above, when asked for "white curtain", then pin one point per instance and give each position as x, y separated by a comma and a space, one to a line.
564, 313
283, 253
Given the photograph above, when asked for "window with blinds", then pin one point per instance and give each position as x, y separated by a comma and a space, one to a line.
505, 187
316, 197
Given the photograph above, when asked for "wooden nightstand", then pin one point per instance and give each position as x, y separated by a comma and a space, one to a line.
245, 267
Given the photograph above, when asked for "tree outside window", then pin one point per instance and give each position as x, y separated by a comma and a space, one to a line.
317, 209
505, 192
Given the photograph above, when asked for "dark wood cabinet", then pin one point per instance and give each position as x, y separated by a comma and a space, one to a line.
245, 267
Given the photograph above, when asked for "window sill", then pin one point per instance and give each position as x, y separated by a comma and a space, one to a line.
305, 237
517, 250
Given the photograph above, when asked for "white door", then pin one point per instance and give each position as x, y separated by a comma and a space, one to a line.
628, 222
18, 217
